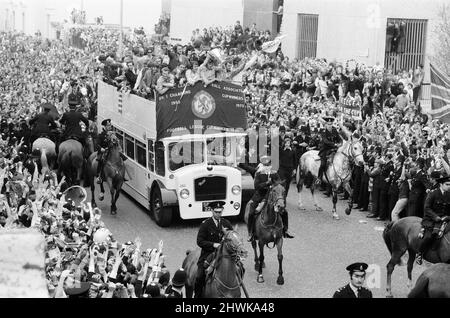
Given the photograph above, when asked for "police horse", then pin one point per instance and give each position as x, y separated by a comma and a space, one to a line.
403, 236
71, 160
337, 173
269, 229
47, 149
224, 278
434, 282
113, 171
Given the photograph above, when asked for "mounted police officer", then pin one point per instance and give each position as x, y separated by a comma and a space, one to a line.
330, 140
264, 178
209, 237
72, 119
355, 288
42, 124
102, 151
437, 211
102, 147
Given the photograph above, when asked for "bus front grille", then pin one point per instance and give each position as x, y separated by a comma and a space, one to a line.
210, 188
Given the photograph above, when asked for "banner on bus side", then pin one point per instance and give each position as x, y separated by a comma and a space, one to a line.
220, 107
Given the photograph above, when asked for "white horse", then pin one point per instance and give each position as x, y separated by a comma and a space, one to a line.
338, 173
48, 152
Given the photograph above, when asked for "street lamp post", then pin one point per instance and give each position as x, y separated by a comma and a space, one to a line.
121, 30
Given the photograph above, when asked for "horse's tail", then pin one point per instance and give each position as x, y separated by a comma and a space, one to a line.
420, 290
186, 259
387, 236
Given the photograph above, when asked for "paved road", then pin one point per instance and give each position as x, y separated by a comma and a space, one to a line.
314, 262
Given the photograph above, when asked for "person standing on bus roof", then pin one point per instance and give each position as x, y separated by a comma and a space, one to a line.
102, 151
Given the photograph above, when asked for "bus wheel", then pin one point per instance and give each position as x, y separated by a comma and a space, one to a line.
163, 215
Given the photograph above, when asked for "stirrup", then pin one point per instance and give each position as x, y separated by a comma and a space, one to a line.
419, 259
251, 238
99, 180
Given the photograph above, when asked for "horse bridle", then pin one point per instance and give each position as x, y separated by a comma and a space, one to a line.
237, 259
352, 156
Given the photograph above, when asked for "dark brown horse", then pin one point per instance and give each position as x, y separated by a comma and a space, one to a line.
113, 171
269, 229
70, 161
228, 273
403, 236
434, 282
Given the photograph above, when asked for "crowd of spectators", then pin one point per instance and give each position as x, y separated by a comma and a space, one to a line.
405, 151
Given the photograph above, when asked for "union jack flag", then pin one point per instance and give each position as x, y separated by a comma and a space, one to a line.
440, 95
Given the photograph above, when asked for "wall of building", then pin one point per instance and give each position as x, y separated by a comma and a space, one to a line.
28, 17
187, 16
355, 29
261, 13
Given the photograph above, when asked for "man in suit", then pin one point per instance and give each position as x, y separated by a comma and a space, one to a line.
42, 124
72, 119
355, 288
209, 237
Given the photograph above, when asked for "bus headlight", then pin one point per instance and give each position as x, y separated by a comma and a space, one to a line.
236, 190
184, 194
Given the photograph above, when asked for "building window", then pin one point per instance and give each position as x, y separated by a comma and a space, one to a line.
151, 155
141, 153
307, 35
405, 43
129, 146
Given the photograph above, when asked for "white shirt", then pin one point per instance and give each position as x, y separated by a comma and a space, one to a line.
355, 290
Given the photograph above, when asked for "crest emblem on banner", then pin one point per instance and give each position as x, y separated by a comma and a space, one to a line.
203, 105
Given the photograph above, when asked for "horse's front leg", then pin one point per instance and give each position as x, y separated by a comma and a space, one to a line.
280, 280
261, 262
102, 192
116, 197
349, 189
256, 255
112, 191
94, 204
335, 200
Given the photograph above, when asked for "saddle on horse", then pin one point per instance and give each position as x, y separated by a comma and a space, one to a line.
326, 160
431, 238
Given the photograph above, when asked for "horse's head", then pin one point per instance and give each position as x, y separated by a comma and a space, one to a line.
277, 197
355, 150
113, 140
234, 245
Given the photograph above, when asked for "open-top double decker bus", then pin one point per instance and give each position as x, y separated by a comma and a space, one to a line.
179, 165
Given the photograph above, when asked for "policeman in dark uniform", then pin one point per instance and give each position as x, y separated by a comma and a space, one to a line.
102, 151
102, 147
288, 162
209, 237
42, 124
437, 211
330, 139
355, 288
72, 120
178, 281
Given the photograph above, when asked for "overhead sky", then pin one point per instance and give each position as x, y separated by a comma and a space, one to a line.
136, 12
